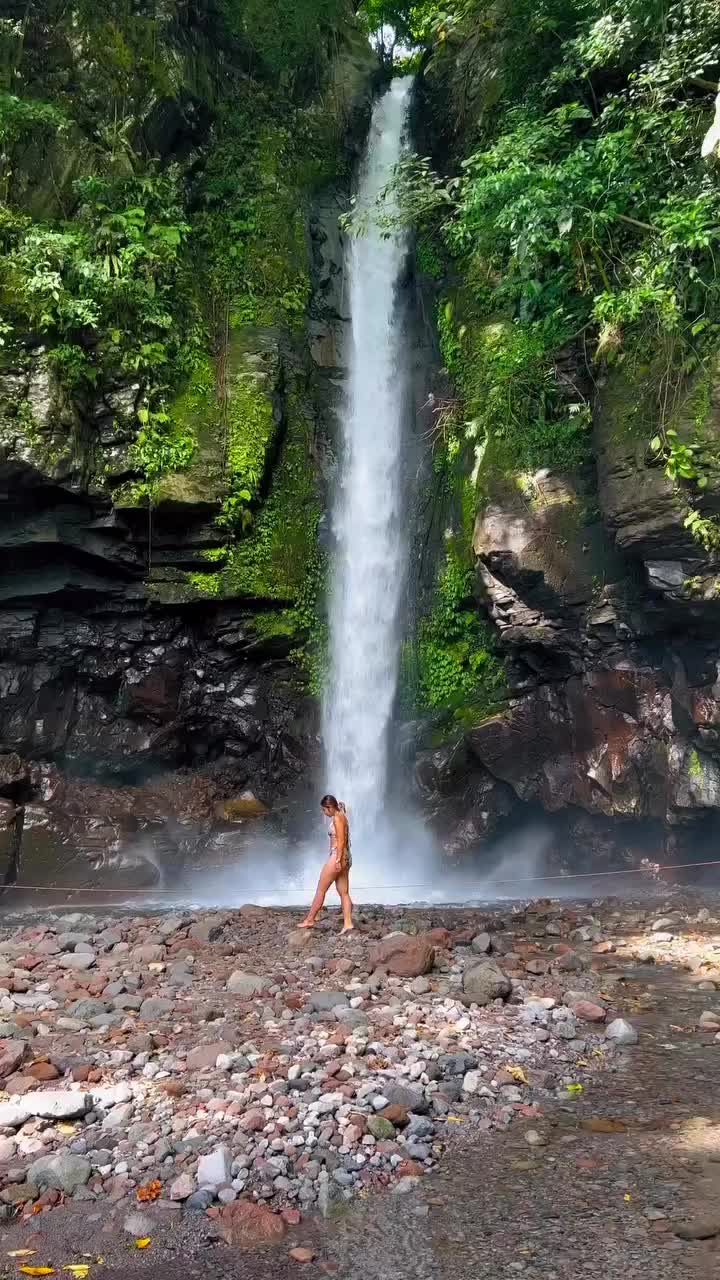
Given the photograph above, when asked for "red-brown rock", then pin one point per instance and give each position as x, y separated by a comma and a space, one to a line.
42, 1071
403, 956
588, 1011
245, 1224
396, 1114
253, 1121
12, 1053
439, 937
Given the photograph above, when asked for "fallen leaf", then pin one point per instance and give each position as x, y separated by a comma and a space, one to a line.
22, 1253
518, 1074
574, 1089
455, 1119
38, 1271
151, 1191
302, 1255
67, 1130
79, 1269
143, 1243
626, 1198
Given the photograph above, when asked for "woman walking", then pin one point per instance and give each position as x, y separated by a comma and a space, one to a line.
337, 868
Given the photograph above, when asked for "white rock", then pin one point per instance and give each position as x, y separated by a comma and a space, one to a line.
214, 1169
621, 1032
118, 1117
77, 960
472, 1081
110, 1095
535, 1139
246, 985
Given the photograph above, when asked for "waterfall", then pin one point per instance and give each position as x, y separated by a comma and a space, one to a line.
369, 563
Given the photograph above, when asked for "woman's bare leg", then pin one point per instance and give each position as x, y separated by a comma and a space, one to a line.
327, 875
342, 884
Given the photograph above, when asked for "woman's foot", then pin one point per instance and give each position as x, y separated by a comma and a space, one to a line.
307, 924
348, 928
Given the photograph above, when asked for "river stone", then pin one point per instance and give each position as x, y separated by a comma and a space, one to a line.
326, 1001
155, 1008
110, 1095
485, 981
206, 1055
403, 956
400, 1095
12, 1053
13, 1114
182, 1188
698, 1229
200, 1200
57, 1104
63, 1171
77, 960
87, 1008
621, 1032
246, 985
118, 1117
246, 1225
380, 1128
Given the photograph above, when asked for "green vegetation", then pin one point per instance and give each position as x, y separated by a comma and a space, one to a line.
273, 561
458, 667
130, 264
158, 168
250, 431
580, 213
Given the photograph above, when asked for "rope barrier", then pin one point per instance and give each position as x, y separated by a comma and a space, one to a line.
651, 869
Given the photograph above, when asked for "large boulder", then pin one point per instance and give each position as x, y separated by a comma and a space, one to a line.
246, 1225
485, 981
403, 956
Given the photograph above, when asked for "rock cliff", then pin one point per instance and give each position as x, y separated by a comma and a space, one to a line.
165, 431
583, 540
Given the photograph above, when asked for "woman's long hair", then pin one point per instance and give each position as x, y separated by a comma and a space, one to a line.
329, 802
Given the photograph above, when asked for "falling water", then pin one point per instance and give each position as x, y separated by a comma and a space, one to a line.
368, 523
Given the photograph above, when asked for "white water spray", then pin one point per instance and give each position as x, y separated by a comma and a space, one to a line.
368, 518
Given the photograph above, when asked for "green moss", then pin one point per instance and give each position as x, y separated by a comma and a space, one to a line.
272, 561
206, 584
285, 623
456, 656
695, 769
250, 431
215, 555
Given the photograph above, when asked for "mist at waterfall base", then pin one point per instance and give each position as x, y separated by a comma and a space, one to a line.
268, 870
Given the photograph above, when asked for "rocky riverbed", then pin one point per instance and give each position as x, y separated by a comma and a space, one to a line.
231, 1071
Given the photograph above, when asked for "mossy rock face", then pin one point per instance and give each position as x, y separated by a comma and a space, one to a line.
547, 527
642, 506
272, 561
39, 427
196, 413
253, 391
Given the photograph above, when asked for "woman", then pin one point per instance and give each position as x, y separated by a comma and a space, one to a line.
337, 868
